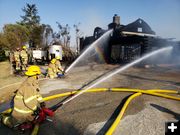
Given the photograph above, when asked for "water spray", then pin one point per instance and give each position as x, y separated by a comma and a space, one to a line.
86, 51
102, 79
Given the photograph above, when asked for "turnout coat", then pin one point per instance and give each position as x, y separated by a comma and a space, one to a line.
26, 100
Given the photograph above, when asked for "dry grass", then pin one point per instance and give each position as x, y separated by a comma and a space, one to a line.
6, 78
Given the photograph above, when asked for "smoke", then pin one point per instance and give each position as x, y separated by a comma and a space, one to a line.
170, 57
175, 57
161, 58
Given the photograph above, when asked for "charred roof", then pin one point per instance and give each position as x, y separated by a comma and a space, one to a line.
138, 26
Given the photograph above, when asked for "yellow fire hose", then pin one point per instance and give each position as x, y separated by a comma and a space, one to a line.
149, 92
35, 129
118, 118
138, 92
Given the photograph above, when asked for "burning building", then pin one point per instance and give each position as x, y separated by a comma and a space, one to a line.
127, 42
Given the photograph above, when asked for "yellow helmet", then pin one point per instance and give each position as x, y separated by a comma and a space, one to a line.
53, 60
58, 57
24, 47
33, 70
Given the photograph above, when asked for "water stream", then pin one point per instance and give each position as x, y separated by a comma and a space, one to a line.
87, 51
103, 78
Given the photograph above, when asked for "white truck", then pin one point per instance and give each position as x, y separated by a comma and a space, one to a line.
45, 55
54, 51
39, 56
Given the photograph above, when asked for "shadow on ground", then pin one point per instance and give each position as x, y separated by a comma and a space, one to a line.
163, 109
110, 121
47, 128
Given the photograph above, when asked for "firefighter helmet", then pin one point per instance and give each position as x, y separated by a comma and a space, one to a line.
24, 47
33, 70
58, 57
53, 60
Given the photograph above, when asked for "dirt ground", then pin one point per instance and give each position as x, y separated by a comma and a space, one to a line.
93, 113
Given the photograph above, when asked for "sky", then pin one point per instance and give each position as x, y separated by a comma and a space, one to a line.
163, 16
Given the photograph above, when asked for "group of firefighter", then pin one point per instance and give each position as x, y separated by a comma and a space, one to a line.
27, 99
20, 59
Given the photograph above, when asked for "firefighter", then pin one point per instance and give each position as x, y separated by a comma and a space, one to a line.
12, 62
17, 59
26, 101
24, 58
59, 69
52, 69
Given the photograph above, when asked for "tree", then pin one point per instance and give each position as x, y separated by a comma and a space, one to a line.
36, 36
30, 18
78, 36
14, 35
3, 41
47, 32
32, 21
65, 33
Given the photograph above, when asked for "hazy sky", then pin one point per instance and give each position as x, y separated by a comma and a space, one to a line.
163, 16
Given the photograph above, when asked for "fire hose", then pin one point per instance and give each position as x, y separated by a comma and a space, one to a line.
154, 92
138, 92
